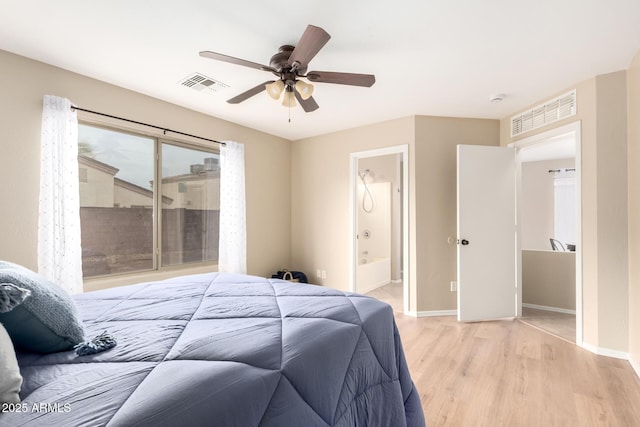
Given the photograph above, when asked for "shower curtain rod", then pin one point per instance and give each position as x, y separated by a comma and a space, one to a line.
562, 170
165, 130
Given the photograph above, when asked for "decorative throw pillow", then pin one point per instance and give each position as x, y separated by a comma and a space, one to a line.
10, 379
47, 321
11, 296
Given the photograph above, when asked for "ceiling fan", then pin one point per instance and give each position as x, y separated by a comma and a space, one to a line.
290, 64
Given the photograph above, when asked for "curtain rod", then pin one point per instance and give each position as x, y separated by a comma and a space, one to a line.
562, 170
165, 130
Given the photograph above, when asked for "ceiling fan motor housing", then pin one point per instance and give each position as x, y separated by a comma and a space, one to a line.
280, 61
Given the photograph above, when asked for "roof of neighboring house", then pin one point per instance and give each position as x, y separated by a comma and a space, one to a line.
191, 176
96, 164
140, 190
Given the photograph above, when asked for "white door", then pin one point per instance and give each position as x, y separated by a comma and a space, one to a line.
487, 281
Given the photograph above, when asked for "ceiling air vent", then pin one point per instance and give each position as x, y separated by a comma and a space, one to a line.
549, 112
200, 83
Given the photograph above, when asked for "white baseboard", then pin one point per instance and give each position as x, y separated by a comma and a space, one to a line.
635, 365
396, 281
547, 308
606, 352
433, 313
615, 354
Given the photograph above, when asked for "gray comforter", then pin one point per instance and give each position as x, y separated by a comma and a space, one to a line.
226, 350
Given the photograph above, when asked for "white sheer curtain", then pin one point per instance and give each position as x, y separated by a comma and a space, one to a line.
232, 256
59, 246
564, 185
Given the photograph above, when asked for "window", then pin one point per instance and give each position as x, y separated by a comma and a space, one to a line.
82, 174
564, 184
131, 224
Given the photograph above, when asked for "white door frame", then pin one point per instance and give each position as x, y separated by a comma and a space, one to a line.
573, 128
353, 211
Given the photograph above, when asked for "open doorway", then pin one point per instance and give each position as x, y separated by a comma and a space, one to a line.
379, 225
550, 230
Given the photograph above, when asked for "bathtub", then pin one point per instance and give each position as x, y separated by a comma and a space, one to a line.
372, 273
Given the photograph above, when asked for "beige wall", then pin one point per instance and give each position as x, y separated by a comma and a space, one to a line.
601, 110
613, 248
549, 279
321, 200
537, 202
268, 158
633, 102
435, 202
320, 196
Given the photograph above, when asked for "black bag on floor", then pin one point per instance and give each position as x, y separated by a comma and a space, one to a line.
292, 276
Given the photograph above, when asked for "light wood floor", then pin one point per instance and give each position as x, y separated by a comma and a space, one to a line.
507, 373
561, 325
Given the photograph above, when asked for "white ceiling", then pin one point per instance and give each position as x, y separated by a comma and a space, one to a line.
443, 58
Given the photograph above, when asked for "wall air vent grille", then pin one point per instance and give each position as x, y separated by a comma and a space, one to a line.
549, 112
200, 83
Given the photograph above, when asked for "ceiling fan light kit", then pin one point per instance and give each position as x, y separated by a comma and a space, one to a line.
290, 64
289, 99
275, 89
304, 89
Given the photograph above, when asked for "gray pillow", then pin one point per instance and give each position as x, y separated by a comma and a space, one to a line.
11, 296
10, 379
47, 321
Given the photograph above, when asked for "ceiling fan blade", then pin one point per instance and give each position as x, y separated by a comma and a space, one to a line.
365, 80
309, 45
309, 104
249, 93
232, 60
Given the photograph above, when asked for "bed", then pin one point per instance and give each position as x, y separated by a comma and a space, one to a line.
225, 350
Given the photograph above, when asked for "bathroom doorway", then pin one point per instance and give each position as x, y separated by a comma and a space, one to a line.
379, 222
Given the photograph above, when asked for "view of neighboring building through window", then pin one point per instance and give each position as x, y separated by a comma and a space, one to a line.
190, 216
130, 224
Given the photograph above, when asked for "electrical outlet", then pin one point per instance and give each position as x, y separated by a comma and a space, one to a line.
318, 274
324, 274
454, 286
